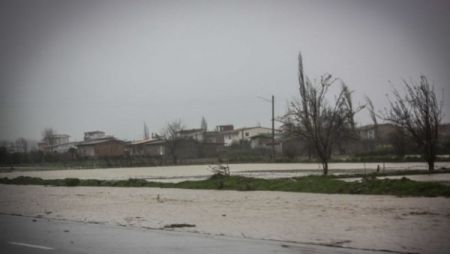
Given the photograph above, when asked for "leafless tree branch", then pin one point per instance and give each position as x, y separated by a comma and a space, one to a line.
419, 112
318, 122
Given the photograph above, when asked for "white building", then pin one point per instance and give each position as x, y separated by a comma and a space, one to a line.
243, 134
195, 134
58, 139
91, 135
62, 148
56, 143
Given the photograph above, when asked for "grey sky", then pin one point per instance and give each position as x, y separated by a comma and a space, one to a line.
111, 65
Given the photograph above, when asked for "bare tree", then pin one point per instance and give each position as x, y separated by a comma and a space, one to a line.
319, 123
372, 144
204, 124
47, 133
171, 134
419, 113
373, 116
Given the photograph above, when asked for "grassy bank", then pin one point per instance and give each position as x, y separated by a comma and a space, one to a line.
392, 173
312, 184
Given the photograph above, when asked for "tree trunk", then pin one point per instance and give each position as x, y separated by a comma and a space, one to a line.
430, 165
325, 167
430, 156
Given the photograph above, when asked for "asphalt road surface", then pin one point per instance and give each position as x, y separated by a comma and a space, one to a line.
36, 235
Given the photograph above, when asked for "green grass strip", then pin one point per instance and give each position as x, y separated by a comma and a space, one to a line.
311, 184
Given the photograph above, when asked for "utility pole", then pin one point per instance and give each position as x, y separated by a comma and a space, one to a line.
273, 123
273, 128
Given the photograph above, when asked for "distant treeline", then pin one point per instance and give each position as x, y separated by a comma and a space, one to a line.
39, 159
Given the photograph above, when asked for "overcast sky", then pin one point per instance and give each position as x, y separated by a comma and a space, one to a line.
85, 65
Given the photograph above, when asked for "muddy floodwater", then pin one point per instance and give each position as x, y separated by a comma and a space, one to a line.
370, 222
393, 224
199, 172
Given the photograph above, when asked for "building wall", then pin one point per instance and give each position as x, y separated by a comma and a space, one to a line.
249, 133
197, 135
135, 149
86, 151
154, 150
213, 137
186, 149
244, 134
58, 139
62, 148
147, 149
230, 137
110, 149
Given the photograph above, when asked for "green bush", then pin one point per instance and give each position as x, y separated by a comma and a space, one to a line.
71, 181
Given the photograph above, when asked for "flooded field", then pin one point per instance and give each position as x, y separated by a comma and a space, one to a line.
399, 225
442, 178
198, 172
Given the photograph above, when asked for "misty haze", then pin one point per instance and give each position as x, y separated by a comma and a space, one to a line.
225, 126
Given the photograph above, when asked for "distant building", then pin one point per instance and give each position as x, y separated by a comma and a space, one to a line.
63, 148
372, 138
380, 132
58, 143
91, 135
186, 148
152, 148
101, 148
202, 136
238, 136
264, 141
221, 128
13, 147
195, 134
213, 137
58, 139
97, 145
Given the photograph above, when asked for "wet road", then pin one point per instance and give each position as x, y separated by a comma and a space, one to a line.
33, 235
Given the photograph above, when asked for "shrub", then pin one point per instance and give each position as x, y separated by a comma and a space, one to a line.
71, 181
